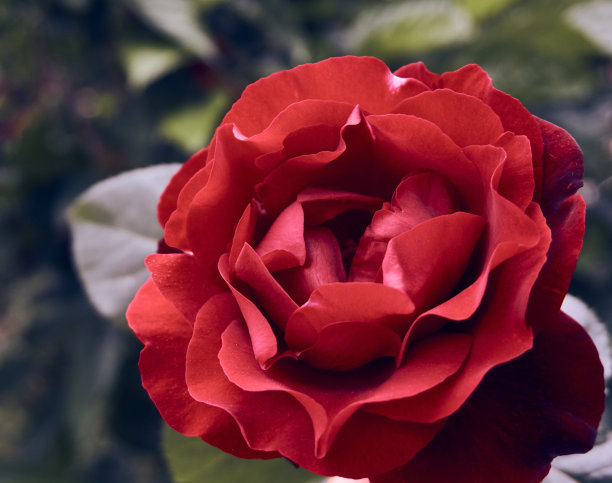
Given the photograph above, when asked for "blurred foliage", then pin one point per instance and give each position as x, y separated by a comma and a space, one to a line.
91, 88
192, 462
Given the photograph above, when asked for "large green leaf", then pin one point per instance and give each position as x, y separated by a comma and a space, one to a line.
409, 27
482, 9
146, 62
594, 20
190, 460
178, 19
191, 127
114, 227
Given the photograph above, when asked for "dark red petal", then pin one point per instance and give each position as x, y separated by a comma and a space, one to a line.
166, 335
348, 302
363, 81
270, 296
405, 144
499, 329
321, 205
183, 281
427, 194
219, 205
268, 420
344, 346
562, 164
418, 71
519, 120
516, 183
323, 265
428, 261
263, 339
546, 403
465, 119
175, 229
567, 227
281, 186
332, 400
306, 114
168, 200
283, 247
245, 230
469, 79
565, 213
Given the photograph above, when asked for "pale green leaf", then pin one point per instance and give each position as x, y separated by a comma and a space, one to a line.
409, 27
594, 20
178, 19
481, 9
144, 63
191, 460
192, 127
114, 227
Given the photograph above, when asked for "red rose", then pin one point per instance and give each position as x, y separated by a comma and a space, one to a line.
365, 276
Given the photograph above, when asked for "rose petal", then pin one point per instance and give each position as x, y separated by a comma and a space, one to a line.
332, 402
166, 334
500, 332
469, 79
169, 198
182, 281
522, 415
321, 205
428, 261
348, 302
417, 70
405, 144
465, 119
518, 120
263, 339
282, 137
323, 265
565, 213
377, 90
175, 228
270, 296
562, 164
222, 201
425, 195
344, 346
517, 183
283, 247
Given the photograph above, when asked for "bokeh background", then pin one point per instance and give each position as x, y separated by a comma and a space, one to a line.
91, 88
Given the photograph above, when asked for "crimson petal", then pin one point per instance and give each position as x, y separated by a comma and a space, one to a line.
546, 403
428, 261
166, 335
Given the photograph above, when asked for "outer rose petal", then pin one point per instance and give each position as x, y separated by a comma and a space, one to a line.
168, 200
362, 81
546, 403
565, 212
332, 401
183, 282
166, 335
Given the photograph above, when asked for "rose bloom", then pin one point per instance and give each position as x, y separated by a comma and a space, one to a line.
363, 274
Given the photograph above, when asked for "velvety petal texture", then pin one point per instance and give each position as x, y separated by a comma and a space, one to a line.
363, 273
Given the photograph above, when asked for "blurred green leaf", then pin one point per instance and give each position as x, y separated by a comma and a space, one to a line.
481, 9
144, 63
408, 27
191, 460
114, 227
191, 127
178, 19
594, 20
